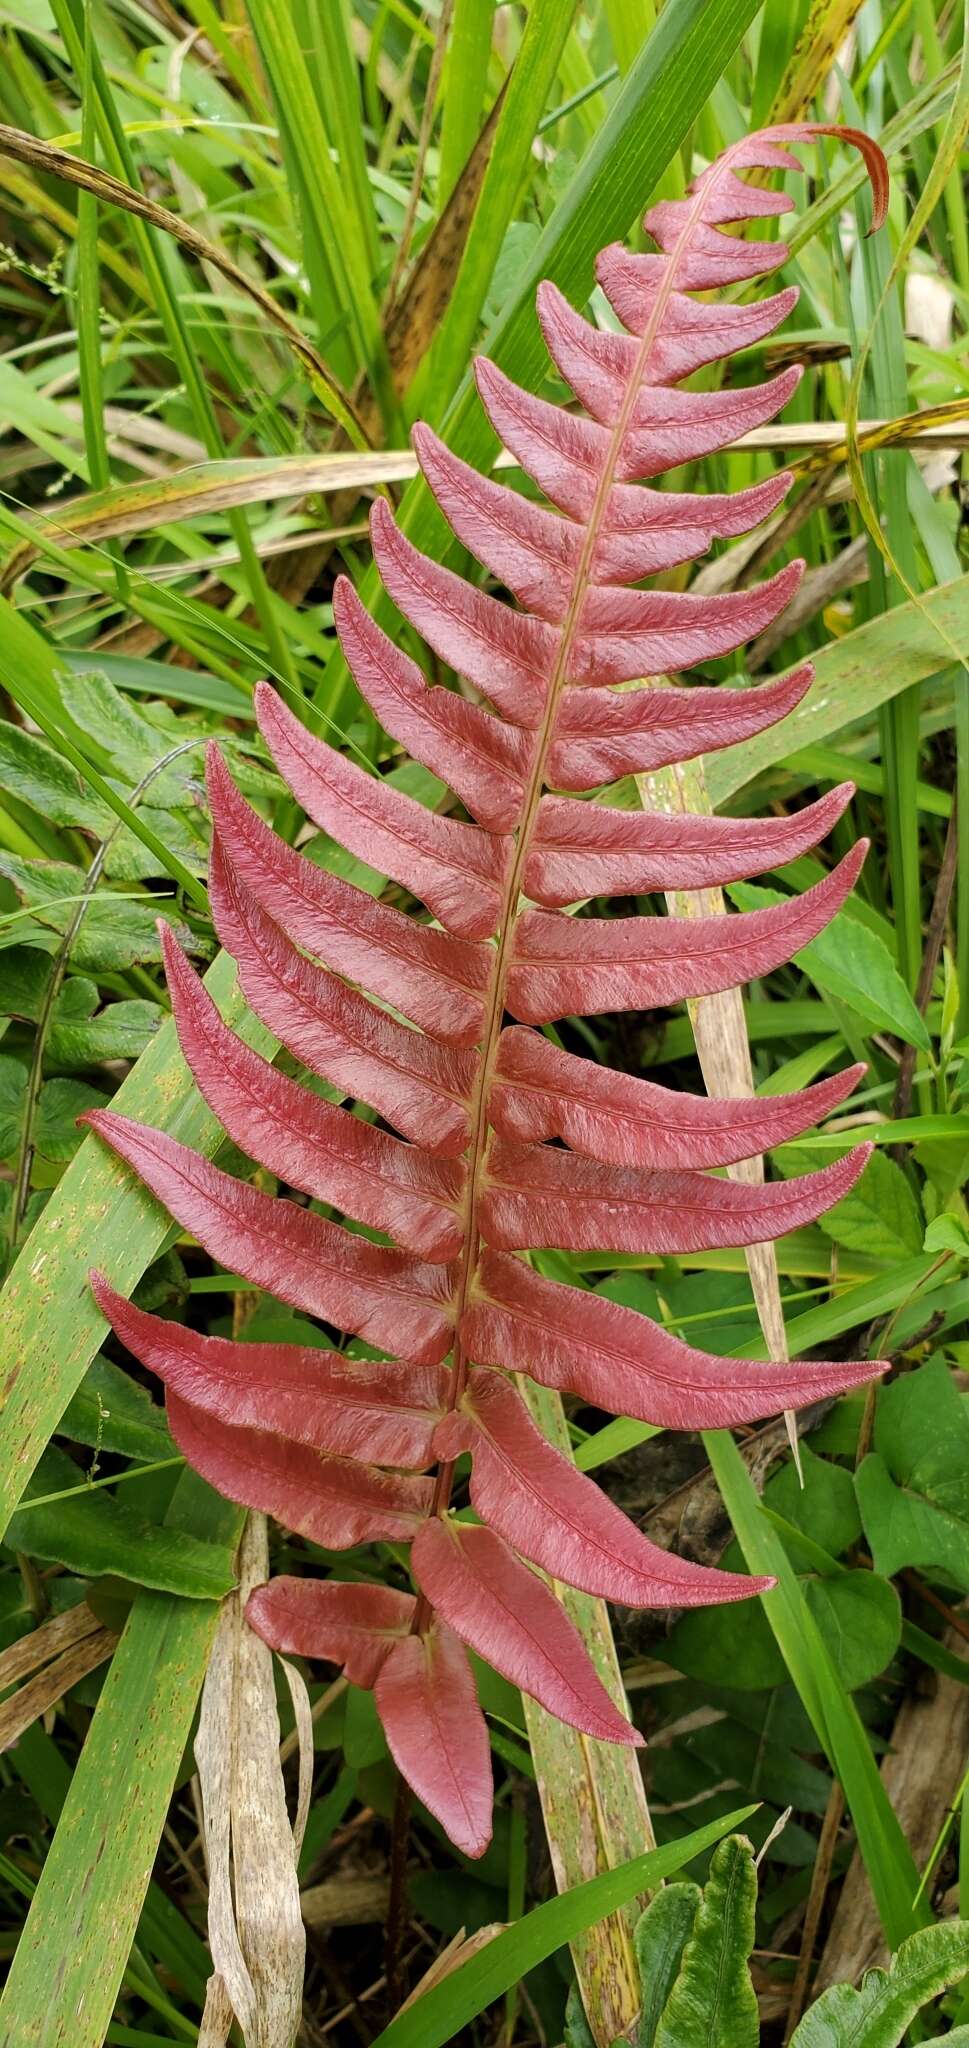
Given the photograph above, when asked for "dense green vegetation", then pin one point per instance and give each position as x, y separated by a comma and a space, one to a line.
243, 248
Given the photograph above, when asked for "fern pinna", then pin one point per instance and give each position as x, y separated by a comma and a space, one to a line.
346, 1452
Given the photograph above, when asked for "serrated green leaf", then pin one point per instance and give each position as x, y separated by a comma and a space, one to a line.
185, 833
106, 716
712, 1998
880, 2013
94, 1534
850, 961
37, 775
439, 2015
114, 933
706, 1642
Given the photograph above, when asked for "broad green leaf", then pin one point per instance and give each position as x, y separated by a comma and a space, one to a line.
708, 1641
25, 977
712, 1997
437, 2017
59, 1105
824, 1507
948, 1233
860, 1618
662, 1933
65, 1976
911, 1488
904, 1525
121, 1032
96, 1535
13, 1099
851, 962
879, 2015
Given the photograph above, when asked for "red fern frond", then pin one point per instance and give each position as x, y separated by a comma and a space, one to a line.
409, 1017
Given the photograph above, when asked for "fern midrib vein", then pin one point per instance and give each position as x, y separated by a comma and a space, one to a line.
512, 890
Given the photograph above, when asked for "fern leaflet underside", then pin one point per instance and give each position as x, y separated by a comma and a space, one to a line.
460, 1173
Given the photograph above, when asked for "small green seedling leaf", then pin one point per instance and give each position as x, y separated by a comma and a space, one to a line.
948, 1233
713, 1998
662, 1933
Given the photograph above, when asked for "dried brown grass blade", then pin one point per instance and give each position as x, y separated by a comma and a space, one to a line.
218, 2015
459, 1950
33, 1699
255, 1926
812, 60
593, 1797
720, 1031
55, 1634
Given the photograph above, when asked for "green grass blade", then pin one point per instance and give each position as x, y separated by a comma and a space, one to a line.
167, 285
325, 195
89, 291
465, 86
853, 677
437, 2017
668, 84
888, 1859
532, 77
72, 1954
